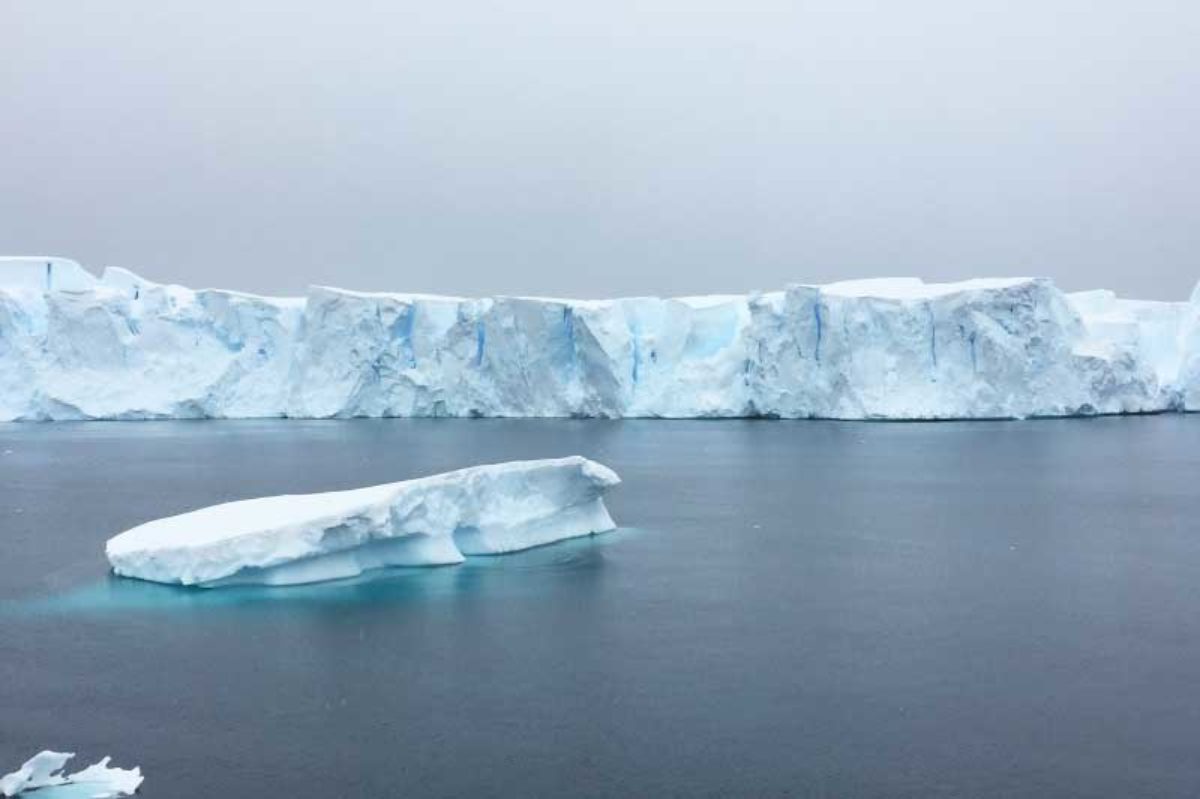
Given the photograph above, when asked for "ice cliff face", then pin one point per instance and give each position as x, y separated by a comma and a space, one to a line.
120, 347
905, 350
124, 348
1189, 353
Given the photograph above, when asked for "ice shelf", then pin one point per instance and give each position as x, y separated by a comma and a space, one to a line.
73, 346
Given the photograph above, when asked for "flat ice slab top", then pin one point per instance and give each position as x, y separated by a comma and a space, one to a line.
437, 520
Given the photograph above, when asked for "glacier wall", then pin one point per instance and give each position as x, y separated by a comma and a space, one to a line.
73, 346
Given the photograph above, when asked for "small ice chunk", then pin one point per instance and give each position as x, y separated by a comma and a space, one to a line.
103, 781
44, 771
38, 771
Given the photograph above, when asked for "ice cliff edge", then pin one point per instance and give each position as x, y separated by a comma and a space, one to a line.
74, 346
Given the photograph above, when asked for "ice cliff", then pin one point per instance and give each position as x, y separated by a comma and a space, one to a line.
73, 346
283, 540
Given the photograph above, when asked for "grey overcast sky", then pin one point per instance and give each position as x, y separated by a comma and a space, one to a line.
604, 148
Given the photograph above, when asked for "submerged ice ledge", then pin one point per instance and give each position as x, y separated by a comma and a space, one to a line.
73, 346
437, 520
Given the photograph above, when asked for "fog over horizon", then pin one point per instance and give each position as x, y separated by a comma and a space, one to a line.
600, 150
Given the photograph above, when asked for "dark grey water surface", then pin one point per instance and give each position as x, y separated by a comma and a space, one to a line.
797, 608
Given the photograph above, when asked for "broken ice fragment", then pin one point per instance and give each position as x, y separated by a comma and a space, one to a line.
43, 773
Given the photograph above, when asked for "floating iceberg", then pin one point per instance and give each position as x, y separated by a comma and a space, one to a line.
73, 346
437, 520
44, 771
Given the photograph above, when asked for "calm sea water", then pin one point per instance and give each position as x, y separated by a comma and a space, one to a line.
989, 609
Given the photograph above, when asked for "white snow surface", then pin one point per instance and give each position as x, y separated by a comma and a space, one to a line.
43, 773
437, 520
122, 347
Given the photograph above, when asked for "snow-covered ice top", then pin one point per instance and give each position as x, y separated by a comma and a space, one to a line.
437, 520
913, 288
73, 346
43, 773
40, 273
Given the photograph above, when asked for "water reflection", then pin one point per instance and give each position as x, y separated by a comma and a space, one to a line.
521, 573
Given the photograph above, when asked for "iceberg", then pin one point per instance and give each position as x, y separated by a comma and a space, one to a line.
430, 521
43, 773
74, 346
